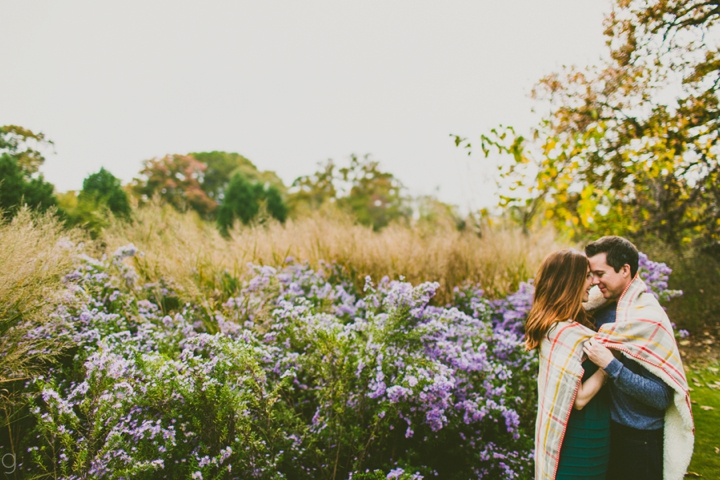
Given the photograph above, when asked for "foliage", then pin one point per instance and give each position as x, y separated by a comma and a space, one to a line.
221, 166
696, 273
104, 188
311, 192
36, 254
22, 145
217, 185
275, 204
17, 190
243, 200
177, 180
430, 213
656, 276
101, 197
630, 146
705, 382
374, 197
20, 184
305, 378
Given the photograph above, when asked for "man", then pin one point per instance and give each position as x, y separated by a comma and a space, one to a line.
645, 382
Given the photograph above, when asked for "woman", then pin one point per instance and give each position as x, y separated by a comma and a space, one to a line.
572, 437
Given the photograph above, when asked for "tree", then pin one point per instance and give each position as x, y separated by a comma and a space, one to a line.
177, 179
431, 213
276, 207
17, 190
310, 192
220, 167
630, 146
374, 197
101, 193
22, 144
243, 201
198, 180
20, 182
105, 189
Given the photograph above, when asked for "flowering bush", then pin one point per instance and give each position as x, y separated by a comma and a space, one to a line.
656, 276
297, 375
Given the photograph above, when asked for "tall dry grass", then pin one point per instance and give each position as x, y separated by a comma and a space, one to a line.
35, 255
195, 258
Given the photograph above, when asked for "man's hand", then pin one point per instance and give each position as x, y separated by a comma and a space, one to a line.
597, 353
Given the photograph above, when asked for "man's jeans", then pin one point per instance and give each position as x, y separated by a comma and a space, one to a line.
635, 454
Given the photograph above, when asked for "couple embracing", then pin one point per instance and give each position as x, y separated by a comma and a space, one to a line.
613, 399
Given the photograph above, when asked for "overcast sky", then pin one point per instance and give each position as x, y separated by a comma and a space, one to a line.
285, 83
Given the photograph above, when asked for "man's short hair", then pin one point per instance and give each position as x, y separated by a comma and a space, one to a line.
619, 250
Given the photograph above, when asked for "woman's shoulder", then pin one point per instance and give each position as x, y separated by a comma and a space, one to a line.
568, 331
570, 327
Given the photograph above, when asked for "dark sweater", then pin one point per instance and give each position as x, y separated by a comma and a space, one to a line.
638, 398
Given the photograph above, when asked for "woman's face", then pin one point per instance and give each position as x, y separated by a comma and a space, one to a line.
588, 285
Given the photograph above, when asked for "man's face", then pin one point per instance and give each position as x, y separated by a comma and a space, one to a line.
611, 283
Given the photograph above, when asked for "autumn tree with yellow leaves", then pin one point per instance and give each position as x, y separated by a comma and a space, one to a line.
629, 146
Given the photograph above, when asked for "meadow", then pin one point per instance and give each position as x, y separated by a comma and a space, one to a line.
315, 350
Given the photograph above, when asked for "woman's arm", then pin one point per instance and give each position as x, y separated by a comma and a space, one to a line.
589, 388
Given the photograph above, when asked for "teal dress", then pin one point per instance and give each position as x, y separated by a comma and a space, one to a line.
586, 448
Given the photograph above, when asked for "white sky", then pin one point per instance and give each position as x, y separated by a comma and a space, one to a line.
285, 83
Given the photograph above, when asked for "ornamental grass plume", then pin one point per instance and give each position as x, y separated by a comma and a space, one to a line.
36, 253
204, 268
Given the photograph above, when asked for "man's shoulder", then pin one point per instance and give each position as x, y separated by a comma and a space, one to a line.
647, 299
605, 314
647, 306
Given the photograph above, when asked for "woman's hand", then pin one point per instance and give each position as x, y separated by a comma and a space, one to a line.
597, 353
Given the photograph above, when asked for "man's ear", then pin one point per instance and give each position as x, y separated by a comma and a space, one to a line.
626, 270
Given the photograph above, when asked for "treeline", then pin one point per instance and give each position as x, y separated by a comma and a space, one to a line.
221, 187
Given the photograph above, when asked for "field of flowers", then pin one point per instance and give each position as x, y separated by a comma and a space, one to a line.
298, 375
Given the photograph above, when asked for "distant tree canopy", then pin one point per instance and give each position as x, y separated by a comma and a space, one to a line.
219, 186
21, 144
243, 201
630, 146
220, 167
101, 193
199, 181
105, 189
20, 182
374, 197
177, 179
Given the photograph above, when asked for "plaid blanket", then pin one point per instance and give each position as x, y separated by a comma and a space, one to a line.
643, 332
558, 382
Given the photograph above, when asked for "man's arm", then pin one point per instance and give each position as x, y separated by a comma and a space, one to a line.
649, 390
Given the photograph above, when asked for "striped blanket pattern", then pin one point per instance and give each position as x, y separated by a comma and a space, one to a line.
643, 332
558, 382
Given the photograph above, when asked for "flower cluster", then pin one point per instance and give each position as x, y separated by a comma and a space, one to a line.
656, 276
298, 375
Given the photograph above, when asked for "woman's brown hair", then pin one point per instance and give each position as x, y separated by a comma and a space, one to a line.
558, 294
